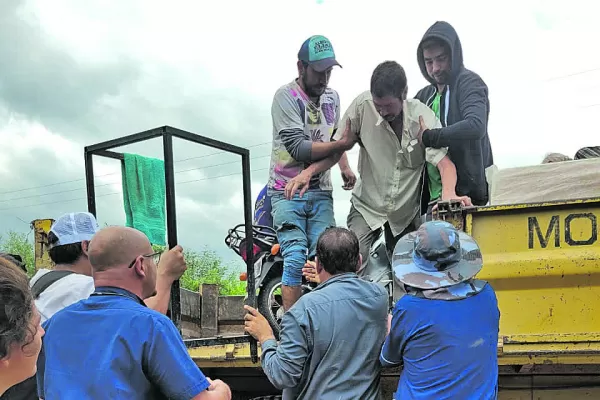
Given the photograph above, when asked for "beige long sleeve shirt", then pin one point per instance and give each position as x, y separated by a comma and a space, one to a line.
389, 185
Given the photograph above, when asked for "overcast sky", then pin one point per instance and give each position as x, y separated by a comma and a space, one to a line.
74, 73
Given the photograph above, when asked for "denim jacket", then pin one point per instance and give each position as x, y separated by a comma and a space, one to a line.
330, 342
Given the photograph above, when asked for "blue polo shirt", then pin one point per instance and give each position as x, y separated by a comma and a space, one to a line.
111, 346
448, 347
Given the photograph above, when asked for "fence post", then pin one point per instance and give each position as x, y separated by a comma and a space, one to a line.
209, 320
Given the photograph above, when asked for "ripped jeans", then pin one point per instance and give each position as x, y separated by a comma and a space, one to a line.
298, 223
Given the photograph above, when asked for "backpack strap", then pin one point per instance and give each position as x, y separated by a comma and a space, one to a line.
46, 280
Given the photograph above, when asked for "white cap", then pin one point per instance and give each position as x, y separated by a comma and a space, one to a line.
74, 228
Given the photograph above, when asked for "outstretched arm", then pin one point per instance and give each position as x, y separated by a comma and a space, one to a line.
289, 124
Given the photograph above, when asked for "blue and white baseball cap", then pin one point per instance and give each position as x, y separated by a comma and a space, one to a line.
74, 228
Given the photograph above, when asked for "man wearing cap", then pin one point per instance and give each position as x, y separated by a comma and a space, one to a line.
71, 278
444, 330
305, 114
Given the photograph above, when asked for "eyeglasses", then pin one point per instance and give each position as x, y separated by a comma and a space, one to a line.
155, 258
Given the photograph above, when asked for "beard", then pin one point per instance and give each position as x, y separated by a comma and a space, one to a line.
314, 90
442, 78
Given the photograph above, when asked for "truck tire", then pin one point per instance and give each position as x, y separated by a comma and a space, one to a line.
264, 306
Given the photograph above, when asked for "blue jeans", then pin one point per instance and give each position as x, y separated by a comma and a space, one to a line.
298, 223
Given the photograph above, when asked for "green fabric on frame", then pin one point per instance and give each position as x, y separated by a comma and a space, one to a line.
144, 195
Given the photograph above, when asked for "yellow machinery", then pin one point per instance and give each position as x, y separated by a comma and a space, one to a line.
41, 227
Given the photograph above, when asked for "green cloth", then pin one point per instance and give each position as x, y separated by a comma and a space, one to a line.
144, 195
435, 179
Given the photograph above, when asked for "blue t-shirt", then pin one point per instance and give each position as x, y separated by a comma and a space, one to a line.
111, 346
262, 209
448, 348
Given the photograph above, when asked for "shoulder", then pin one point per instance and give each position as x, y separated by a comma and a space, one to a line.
38, 275
332, 96
468, 79
363, 98
425, 93
415, 108
372, 288
488, 291
286, 92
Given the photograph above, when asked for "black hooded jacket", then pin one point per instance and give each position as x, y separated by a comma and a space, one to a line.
464, 130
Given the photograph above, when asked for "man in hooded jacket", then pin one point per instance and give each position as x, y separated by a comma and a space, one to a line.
459, 97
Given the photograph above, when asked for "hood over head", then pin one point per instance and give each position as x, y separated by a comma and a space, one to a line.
443, 31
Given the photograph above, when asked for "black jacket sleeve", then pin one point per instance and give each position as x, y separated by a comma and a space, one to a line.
472, 98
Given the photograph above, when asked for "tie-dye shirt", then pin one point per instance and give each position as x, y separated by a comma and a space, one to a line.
297, 123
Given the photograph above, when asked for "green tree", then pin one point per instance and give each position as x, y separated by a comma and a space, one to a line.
20, 244
203, 267
207, 267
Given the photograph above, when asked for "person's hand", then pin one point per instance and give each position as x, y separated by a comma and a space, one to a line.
465, 201
422, 128
389, 323
349, 178
300, 182
349, 137
310, 272
172, 264
220, 387
257, 325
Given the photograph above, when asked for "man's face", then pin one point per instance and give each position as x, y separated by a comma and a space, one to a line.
388, 107
314, 82
151, 270
438, 63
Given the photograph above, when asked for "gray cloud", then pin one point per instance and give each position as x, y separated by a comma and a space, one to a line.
46, 83
88, 104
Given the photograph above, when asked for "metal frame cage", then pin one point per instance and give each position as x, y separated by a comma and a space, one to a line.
167, 133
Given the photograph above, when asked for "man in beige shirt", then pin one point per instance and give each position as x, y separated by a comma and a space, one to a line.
391, 160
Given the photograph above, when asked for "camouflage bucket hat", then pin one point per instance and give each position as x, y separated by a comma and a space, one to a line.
436, 256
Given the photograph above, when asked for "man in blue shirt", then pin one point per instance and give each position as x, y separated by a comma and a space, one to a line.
444, 330
331, 337
111, 346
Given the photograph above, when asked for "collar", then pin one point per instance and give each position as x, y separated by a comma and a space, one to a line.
116, 291
337, 278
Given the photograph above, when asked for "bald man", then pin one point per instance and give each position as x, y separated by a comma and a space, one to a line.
111, 346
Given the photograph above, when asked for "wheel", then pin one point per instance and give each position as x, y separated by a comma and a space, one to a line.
270, 303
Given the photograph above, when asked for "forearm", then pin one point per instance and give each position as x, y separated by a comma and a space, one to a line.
160, 302
448, 177
326, 163
464, 130
282, 370
322, 151
343, 161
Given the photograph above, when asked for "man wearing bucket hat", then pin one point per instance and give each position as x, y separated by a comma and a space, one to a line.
444, 330
305, 114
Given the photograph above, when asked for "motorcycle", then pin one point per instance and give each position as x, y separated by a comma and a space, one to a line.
268, 269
